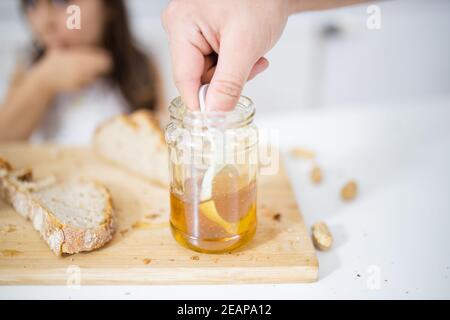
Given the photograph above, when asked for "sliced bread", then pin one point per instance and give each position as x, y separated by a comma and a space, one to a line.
71, 216
135, 142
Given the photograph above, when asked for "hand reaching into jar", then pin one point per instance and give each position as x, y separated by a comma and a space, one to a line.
223, 42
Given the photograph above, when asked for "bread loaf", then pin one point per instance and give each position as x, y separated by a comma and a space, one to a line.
135, 142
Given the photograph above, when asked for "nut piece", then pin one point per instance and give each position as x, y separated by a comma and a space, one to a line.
316, 175
321, 236
348, 192
301, 153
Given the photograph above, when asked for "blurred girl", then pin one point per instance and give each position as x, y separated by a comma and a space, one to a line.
72, 80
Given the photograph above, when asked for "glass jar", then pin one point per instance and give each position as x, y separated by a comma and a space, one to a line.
213, 162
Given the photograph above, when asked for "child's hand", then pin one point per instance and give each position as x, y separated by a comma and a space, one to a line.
70, 70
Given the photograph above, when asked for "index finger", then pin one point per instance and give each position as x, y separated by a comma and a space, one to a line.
187, 62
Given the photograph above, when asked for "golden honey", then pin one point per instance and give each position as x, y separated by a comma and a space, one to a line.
220, 224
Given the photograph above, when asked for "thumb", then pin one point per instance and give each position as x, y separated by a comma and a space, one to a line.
232, 71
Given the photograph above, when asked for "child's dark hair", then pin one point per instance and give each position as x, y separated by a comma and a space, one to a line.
133, 71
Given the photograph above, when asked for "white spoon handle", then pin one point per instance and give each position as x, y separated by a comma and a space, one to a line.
207, 182
202, 96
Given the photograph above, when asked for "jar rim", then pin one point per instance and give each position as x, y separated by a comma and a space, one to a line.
240, 116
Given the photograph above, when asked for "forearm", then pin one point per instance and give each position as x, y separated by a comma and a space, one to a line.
297, 6
24, 108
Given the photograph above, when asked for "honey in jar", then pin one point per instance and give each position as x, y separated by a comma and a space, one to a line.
213, 199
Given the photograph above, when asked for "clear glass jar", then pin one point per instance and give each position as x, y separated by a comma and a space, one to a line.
213, 161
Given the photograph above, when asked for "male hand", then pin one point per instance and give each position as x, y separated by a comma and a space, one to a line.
221, 42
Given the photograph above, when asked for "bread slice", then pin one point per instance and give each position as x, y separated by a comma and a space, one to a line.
135, 142
72, 216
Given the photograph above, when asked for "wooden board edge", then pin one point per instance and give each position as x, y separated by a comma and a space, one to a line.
174, 276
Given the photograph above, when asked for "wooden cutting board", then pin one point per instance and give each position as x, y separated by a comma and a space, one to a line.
143, 250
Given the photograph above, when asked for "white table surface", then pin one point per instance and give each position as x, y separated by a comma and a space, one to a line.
395, 235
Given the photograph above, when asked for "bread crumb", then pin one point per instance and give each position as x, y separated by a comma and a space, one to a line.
196, 258
150, 225
316, 175
123, 232
146, 260
277, 217
349, 191
141, 225
301, 153
10, 253
8, 228
152, 216
321, 236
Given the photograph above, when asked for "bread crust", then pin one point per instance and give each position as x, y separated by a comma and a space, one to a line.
137, 121
5, 166
61, 238
148, 118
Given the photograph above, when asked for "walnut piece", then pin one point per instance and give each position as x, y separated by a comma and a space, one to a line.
349, 191
321, 236
316, 175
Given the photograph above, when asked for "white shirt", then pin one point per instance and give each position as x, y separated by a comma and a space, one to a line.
73, 118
